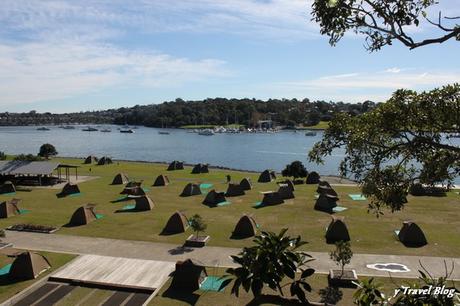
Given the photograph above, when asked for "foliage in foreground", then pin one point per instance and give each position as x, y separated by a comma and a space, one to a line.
382, 145
382, 21
273, 258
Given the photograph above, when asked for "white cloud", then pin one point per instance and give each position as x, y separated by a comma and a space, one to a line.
34, 72
393, 70
357, 87
275, 18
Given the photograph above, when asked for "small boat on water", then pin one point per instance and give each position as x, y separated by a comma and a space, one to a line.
43, 129
127, 131
310, 133
206, 132
106, 130
68, 127
163, 133
89, 129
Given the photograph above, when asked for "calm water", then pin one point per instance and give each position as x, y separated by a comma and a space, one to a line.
241, 151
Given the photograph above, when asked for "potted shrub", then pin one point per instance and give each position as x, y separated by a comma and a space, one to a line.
342, 256
198, 226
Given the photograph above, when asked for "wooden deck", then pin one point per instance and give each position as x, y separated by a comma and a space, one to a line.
116, 271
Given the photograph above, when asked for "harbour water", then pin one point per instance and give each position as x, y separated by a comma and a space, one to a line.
248, 151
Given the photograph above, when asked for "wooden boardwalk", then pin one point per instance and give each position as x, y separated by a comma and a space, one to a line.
117, 272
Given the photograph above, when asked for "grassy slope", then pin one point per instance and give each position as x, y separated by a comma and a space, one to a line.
8, 290
438, 217
322, 125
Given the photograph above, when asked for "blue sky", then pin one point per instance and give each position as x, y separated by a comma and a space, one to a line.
64, 56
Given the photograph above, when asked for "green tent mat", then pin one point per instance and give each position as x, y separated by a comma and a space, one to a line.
146, 189
205, 186
99, 216
258, 205
5, 270
23, 211
213, 283
129, 207
8, 194
73, 195
357, 197
224, 203
339, 209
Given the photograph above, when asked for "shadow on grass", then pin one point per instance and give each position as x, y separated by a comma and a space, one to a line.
180, 250
181, 295
5, 280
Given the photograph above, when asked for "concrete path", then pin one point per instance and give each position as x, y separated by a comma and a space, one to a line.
214, 256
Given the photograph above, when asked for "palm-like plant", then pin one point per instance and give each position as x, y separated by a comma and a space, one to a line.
368, 293
268, 262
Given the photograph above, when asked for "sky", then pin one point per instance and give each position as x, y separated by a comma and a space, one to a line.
65, 56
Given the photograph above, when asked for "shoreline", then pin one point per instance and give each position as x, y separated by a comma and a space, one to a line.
332, 176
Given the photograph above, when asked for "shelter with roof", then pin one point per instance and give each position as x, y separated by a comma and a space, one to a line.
234, 190
213, 198
326, 203
7, 187
411, 235
9, 208
83, 215
289, 183
120, 179
200, 168
188, 275
133, 191
161, 180
91, 159
246, 227
105, 160
28, 265
271, 198
267, 176
143, 203
246, 183
191, 189
69, 189
177, 223
337, 231
285, 192
35, 172
323, 189
176, 165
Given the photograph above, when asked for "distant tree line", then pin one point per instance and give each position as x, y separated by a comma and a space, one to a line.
216, 111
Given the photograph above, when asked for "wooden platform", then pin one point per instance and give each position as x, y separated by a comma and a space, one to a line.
116, 272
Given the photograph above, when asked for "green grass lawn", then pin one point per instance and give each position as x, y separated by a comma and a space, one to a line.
7, 289
437, 216
322, 125
170, 297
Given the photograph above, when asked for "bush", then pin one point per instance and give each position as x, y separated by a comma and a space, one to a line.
296, 169
197, 224
47, 150
2, 155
